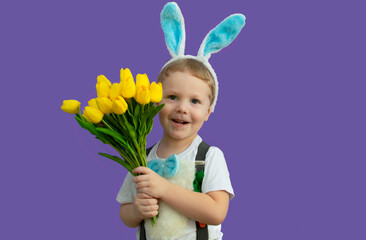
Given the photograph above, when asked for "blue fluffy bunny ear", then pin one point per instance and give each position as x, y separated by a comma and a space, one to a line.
171, 166
222, 35
172, 23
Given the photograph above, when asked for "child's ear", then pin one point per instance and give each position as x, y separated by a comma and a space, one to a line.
208, 113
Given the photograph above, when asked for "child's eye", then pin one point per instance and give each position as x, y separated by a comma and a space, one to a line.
195, 101
172, 97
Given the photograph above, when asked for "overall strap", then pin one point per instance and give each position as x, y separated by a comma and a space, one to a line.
142, 231
201, 156
148, 150
202, 230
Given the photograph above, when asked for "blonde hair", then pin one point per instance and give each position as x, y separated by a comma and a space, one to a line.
192, 66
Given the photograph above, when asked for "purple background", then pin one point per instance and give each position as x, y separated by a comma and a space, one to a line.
290, 116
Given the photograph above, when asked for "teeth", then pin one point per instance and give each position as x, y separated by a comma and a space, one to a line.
178, 121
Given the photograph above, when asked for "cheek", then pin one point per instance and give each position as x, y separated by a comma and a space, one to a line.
199, 116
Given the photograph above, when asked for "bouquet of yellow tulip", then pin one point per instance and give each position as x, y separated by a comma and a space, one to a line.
121, 116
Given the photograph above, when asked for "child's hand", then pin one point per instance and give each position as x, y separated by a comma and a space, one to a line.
145, 206
150, 182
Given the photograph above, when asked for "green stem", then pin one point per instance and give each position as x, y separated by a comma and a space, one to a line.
130, 159
132, 156
136, 145
105, 123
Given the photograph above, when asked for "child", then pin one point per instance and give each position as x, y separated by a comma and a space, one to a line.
189, 92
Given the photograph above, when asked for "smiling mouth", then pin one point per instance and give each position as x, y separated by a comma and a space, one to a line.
180, 122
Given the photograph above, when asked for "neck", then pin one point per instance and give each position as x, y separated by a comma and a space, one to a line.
169, 146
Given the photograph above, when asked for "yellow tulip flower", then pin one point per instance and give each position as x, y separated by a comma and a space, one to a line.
125, 73
142, 80
103, 89
104, 104
115, 91
93, 103
156, 92
93, 115
143, 95
70, 106
102, 78
119, 105
128, 87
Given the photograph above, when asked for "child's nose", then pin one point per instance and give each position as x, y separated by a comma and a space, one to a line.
182, 107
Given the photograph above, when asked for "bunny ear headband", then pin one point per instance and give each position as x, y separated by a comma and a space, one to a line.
221, 36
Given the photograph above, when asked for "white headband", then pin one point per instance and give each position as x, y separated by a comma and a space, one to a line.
172, 23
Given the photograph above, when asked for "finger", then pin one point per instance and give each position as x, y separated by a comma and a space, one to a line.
142, 170
149, 202
142, 184
150, 214
141, 195
146, 196
149, 208
144, 190
140, 178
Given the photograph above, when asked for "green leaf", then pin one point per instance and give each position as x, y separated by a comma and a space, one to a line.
130, 149
155, 111
130, 107
148, 111
142, 128
85, 124
130, 130
91, 128
116, 135
121, 119
117, 159
136, 116
149, 126
112, 122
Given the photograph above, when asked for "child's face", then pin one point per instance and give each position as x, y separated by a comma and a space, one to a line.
187, 105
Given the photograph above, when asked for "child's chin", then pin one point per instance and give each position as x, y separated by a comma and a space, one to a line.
182, 136
178, 136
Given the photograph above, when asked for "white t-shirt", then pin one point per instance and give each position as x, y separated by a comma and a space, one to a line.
216, 178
